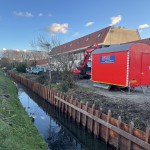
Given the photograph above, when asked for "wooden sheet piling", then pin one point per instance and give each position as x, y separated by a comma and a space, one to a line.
113, 131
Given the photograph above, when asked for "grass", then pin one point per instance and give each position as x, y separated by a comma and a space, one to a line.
17, 131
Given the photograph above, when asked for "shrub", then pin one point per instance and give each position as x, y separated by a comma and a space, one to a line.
63, 87
21, 67
43, 79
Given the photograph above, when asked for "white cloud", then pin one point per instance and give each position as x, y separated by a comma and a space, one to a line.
40, 14
23, 14
59, 28
4, 49
89, 24
115, 20
142, 26
76, 34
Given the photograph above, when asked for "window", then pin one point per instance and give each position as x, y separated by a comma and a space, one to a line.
87, 39
71, 44
99, 35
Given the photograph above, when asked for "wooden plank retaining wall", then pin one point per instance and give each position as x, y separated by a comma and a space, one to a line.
105, 127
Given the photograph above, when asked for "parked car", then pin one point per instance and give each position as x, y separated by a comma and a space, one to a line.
35, 70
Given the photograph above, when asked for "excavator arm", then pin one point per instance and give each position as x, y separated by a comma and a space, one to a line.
87, 54
82, 68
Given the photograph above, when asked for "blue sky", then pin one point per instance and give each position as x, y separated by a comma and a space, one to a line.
22, 21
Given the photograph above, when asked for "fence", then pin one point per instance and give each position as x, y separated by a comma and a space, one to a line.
105, 127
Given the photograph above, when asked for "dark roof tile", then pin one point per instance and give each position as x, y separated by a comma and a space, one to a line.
146, 41
41, 62
90, 39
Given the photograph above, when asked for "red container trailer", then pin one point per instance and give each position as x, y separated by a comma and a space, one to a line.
125, 65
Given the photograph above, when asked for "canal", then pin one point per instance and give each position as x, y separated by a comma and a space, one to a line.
59, 132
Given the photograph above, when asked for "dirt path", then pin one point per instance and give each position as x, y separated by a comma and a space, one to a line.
131, 107
135, 96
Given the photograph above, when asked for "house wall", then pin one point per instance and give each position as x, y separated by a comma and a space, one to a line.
121, 35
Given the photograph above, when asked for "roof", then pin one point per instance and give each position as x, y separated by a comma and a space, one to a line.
114, 48
146, 41
85, 41
41, 62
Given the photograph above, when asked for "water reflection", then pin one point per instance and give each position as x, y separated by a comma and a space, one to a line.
60, 132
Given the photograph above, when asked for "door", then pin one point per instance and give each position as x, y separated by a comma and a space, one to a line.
145, 70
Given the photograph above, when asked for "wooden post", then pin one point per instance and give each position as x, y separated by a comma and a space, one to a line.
51, 96
79, 114
100, 114
147, 138
54, 98
98, 124
42, 91
85, 119
131, 132
52, 101
70, 112
74, 111
119, 126
92, 121
57, 101
107, 129
63, 105
66, 107
46, 94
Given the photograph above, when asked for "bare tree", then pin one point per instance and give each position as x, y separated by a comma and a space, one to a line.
46, 44
7, 54
59, 65
64, 63
43, 44
9, 57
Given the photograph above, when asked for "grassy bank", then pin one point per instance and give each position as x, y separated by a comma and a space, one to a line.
17, 131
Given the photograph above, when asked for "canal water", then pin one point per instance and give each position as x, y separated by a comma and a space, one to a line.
59, 132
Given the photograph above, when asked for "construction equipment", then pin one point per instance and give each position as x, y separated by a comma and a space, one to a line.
83, 69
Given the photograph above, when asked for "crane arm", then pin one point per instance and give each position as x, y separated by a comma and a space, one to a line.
87, 54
